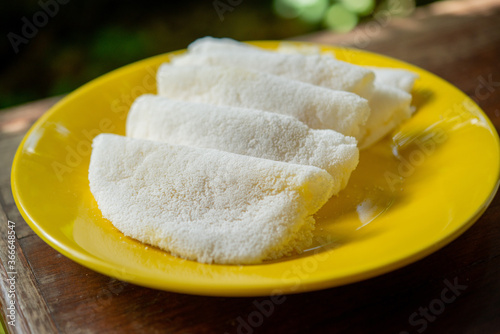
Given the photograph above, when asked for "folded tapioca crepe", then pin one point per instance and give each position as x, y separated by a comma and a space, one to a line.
321, 70
317, 107
390, 106
244, 131
395, 77
204, 204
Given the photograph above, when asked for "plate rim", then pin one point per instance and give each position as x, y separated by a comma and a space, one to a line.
106, 268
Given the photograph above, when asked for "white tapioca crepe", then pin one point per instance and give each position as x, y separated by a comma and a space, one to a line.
317, 107
321, 70
395, 77
244, 131
204, 204
390, 106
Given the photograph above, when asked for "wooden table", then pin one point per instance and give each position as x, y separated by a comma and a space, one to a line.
459, 41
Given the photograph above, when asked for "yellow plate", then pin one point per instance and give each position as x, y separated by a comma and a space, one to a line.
411, 194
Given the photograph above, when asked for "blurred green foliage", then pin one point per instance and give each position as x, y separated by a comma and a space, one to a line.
80, 40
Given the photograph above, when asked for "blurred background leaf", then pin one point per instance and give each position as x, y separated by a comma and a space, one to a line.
81, 40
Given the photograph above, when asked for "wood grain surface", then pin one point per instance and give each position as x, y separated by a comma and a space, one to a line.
455, 290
